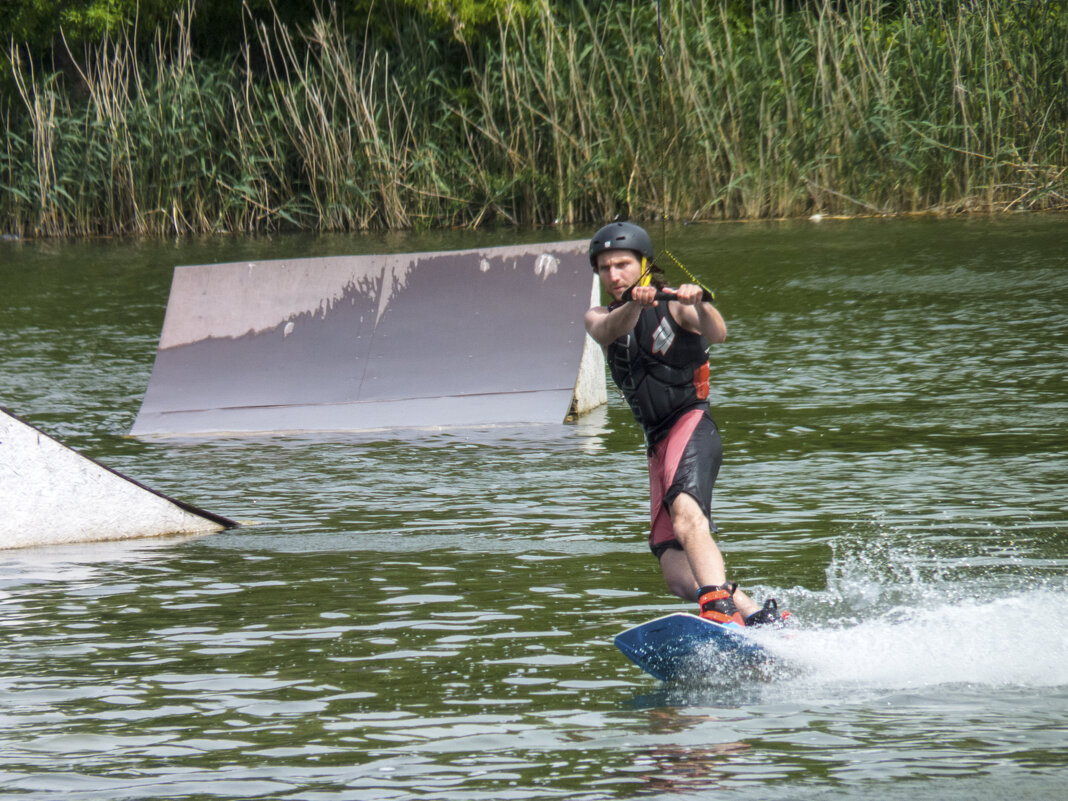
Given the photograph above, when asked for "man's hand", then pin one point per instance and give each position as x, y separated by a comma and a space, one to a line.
689, 294
644, 296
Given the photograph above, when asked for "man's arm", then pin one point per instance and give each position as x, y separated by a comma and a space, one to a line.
696, 316
606, 326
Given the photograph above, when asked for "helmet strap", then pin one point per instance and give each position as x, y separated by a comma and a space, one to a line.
646, 277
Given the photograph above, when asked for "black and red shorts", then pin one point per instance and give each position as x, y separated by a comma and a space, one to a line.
686, 460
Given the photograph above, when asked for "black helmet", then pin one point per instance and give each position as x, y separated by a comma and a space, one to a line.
620, 236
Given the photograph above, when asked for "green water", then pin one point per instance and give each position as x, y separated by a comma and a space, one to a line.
430, 616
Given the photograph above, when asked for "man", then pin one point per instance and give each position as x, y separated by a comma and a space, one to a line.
657, 351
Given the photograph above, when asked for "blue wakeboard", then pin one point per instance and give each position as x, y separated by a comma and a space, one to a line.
682, 644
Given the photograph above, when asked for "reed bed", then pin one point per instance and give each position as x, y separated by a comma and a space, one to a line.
571, 113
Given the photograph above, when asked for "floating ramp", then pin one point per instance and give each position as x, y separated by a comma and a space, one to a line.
360, 343
52, 495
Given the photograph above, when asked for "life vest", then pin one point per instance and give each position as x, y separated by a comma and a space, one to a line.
661, 369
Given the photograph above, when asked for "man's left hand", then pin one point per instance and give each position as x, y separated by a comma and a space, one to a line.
689, 294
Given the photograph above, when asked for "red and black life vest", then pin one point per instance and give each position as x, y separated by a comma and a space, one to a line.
661, 369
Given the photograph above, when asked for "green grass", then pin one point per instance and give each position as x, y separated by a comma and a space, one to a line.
567, 114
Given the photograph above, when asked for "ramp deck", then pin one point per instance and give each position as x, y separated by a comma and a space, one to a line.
465, 338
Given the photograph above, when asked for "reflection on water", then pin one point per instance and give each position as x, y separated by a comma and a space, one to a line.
429, 615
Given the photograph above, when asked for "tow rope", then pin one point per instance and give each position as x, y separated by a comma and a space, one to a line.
646, 276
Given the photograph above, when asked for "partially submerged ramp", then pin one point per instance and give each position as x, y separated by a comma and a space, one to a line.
51, 495
463, 338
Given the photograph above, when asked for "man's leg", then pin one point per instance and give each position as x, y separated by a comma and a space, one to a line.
700, 562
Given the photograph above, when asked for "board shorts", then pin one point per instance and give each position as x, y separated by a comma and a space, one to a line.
686, 460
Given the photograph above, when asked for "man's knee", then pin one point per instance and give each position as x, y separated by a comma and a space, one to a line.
688, 519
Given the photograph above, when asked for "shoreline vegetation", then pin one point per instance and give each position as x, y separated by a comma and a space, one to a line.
562, 113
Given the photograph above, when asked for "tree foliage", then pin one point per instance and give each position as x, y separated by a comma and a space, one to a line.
41, 24
38, 23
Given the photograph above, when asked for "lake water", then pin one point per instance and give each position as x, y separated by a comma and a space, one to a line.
430, 616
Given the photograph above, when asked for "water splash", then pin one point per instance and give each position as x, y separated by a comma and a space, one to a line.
899, 613
1018, 640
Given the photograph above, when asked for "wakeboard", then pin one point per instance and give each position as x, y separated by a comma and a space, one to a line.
682, 644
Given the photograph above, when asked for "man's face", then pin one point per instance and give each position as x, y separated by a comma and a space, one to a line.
618, 270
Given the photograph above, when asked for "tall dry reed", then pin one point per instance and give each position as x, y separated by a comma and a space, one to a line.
571, 113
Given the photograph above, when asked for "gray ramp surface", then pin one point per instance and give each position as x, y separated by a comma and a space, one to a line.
464, 338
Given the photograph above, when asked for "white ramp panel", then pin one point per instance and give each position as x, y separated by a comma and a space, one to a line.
51, 495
